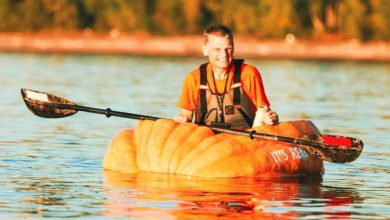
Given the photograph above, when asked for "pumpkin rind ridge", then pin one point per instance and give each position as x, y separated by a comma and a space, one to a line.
176, 139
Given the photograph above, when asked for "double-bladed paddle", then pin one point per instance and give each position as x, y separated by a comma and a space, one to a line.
332, 148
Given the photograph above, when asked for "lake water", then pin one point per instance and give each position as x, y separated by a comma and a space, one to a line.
53, 167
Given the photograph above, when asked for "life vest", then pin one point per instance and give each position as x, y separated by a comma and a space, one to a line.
229, 110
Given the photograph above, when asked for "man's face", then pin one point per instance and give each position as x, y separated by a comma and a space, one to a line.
219, 50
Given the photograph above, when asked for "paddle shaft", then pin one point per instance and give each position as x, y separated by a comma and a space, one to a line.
107, 112
252, 134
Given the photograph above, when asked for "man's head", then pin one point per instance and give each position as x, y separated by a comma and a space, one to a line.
219, 31
218, 46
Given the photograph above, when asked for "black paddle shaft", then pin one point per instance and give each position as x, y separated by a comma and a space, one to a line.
253, 134
107, 112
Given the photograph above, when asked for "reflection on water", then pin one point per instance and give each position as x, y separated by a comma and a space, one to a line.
52, 168
147, 195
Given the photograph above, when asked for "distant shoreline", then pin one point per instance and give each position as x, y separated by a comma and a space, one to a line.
143, 44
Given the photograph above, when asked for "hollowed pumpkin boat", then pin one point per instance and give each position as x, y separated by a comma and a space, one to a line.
164, 146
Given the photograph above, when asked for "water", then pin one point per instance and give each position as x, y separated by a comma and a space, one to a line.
52, 167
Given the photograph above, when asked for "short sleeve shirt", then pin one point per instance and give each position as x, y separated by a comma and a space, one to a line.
251, 81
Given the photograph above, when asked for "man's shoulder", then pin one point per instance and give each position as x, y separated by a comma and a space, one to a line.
193, 76
195, 72
248, 70
248, 66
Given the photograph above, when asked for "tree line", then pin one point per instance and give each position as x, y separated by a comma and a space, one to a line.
309, 19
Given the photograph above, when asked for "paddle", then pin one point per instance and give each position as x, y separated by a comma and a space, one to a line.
332, 148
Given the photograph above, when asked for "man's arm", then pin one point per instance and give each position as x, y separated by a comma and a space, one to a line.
253, 85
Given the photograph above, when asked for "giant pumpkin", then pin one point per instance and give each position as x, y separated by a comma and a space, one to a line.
165, 146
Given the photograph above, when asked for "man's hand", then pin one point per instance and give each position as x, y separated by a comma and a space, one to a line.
265, 116
180, 119
184, 116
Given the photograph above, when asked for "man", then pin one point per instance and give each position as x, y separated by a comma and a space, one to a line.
224, 92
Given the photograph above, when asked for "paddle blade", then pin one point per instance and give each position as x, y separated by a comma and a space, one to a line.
47, 105
338, 149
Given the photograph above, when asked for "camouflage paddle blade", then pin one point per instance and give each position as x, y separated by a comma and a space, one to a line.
337, 153
47, 105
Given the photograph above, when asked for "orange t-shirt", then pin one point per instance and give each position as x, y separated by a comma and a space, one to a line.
251, 81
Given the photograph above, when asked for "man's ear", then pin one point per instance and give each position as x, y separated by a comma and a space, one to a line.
205, 50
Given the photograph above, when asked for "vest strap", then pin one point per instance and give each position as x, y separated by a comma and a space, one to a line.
246, 117
237, 79
203, 101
